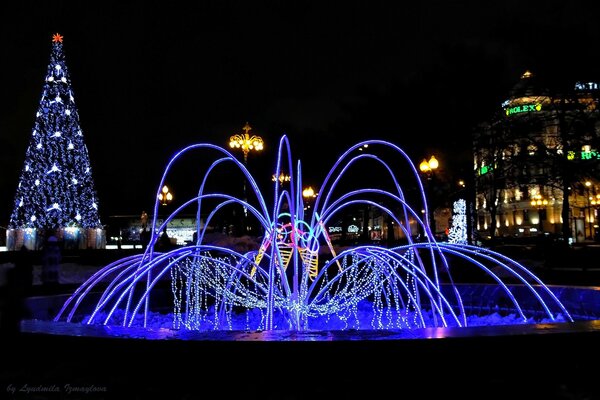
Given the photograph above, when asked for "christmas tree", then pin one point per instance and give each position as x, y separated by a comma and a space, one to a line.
458, 230
55, 194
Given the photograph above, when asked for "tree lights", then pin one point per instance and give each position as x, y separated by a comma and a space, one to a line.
56, 188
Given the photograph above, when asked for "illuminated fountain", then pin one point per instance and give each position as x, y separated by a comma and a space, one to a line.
296, 280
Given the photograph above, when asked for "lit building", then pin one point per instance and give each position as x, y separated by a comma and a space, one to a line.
542, 143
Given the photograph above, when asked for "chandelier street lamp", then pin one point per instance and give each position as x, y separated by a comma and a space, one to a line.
281, 178
165, 197
246, 142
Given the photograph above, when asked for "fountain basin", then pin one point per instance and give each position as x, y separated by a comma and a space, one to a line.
479, 299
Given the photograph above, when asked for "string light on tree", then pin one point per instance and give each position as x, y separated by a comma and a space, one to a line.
55, 188
458, 230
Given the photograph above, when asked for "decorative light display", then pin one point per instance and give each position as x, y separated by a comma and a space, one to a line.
55, 188
458, 230
287, 283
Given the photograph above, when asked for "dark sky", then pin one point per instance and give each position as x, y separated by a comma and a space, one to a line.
152, 77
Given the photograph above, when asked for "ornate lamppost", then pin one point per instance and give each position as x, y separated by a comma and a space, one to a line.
281, 178
165, 197
588, 185
540, 203
428, 169
595, 202
247, 143
309, 195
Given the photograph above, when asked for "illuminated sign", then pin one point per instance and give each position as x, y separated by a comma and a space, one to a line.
586, 86
523, 109
484, 169
338, 229
353, 229
584, 155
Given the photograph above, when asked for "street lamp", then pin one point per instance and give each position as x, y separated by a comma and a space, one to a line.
165, 196
588, 185
540, 203
282, 178
595, 201
309, 195
246, 142
428, 168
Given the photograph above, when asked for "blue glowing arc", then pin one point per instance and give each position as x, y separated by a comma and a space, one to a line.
296, 279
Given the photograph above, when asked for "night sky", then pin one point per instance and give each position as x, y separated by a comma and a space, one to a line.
152, 77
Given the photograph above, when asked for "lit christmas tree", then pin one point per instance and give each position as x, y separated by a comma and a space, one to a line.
56, 192
458, 230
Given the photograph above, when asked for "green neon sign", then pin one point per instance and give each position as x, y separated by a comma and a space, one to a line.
523, 108
584, 155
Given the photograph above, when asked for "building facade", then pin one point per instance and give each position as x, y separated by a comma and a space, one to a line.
536, 163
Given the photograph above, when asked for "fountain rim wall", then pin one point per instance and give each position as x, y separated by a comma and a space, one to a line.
587, 298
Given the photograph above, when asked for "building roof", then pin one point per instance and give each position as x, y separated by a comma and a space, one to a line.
528, 85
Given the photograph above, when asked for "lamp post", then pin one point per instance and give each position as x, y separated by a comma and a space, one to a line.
428, 169
309, 195
165, 197
540, 203
595, 201
588, 185
247, 143
281, 178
